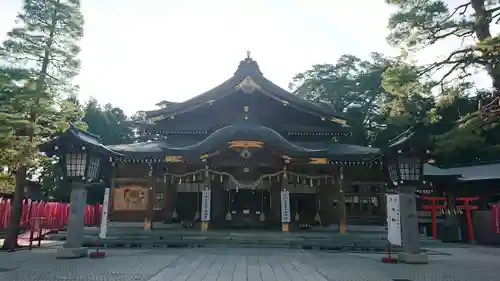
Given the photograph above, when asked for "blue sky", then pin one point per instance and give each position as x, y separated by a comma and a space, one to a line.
136, 53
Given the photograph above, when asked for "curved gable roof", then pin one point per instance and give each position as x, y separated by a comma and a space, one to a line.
248, 74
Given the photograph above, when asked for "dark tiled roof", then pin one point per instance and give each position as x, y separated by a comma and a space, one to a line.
75, 135
246, 68
466, 173
221, 137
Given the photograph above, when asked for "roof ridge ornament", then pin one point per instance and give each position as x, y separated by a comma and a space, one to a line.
248, 85
248, 66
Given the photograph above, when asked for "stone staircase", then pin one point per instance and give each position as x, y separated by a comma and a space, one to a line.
325, 239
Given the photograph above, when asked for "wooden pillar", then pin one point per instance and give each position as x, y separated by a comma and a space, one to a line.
327, 204
341, 204
275, 203
217, 206
370, 194
326, 207
168, 201
148, 219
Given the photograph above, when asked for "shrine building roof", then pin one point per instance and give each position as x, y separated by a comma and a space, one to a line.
263, 136
76, 136
248, 78
478, 172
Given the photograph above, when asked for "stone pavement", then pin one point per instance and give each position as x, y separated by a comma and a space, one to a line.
265, 264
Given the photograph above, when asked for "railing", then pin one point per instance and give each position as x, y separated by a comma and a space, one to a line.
55, 213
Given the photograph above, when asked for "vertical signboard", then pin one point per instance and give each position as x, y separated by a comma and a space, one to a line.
205, 205
285, 207
393, 219
495, 215
104, 216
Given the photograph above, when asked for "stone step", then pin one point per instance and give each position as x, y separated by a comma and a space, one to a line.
162, 238
283, 239
118, 243
206, 235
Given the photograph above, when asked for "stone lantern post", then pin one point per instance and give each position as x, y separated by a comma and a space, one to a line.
80, 155
404, 159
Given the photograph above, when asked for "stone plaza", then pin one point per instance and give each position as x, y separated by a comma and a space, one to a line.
466, 263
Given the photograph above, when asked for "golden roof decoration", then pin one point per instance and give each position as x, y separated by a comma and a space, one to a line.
339, 121
173, 159
319, 161
248, 85
246, 144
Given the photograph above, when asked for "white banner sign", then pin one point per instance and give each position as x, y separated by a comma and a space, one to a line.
285, 206
393, 219
104, 216
205, 205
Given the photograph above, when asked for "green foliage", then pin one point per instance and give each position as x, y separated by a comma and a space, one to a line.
108, 122
460, 134
351, 86
44, 47
420, 23
45, 42
383, 97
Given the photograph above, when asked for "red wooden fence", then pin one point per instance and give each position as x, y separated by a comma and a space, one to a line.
55, 214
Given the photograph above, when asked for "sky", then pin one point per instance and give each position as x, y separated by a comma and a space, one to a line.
137, 53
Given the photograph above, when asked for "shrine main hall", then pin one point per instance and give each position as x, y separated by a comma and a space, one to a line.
247, 154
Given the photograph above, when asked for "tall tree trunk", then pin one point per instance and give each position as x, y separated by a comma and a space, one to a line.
483, 32
16, 210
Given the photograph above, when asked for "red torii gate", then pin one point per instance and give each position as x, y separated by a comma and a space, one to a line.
466, 207
434, 207
468, 214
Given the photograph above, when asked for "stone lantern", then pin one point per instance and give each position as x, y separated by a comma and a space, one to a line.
80, 155
404, 160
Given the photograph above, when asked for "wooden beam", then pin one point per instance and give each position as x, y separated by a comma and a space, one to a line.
131, 180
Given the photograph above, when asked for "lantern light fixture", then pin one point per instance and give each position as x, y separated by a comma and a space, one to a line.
405, 158
79, 153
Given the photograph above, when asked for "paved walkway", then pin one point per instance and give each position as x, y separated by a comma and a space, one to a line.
461, 264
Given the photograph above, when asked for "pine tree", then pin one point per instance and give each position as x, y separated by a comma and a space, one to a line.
44, 44
10, 89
